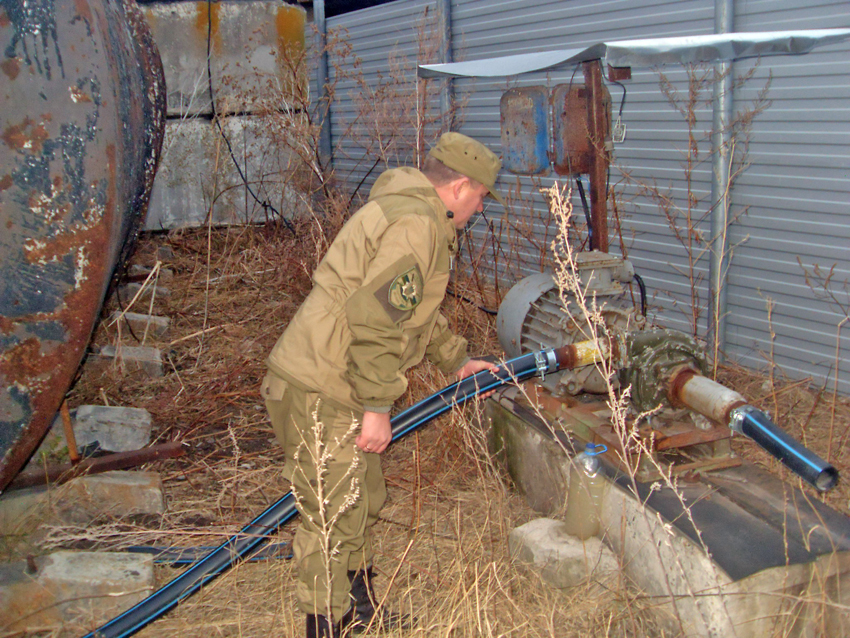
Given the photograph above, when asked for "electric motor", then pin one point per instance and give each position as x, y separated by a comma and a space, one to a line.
536, 314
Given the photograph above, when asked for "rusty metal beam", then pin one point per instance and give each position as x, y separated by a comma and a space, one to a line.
599, 132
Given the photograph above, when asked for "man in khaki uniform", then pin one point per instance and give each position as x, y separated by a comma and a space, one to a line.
335, 372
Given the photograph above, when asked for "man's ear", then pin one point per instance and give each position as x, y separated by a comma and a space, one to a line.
457, 186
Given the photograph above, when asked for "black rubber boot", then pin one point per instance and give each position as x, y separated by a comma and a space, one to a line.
320, 627
365, 609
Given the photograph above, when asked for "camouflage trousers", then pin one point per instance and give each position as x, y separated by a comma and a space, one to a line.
339, 490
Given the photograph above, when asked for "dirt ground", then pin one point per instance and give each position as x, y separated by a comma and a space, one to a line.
442, 539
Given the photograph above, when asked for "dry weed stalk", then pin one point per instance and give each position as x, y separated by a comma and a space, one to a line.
318, 452
824, 287
395, 113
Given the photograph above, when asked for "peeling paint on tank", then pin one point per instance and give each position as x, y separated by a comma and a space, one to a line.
82, 153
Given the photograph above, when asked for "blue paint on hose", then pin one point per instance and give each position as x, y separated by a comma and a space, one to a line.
253, 535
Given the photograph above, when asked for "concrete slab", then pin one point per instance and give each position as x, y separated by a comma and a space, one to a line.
116, 429
143, 359
72, 587
81, 500
745, 556
563, 560
141, 323
196, 173
253, 44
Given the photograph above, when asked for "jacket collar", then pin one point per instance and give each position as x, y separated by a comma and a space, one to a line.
410, 182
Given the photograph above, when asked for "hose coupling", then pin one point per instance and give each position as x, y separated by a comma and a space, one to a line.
737, 416
546, 362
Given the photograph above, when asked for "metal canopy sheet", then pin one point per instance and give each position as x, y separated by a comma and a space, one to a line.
648, 52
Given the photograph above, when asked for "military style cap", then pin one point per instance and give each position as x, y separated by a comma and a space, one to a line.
469, 157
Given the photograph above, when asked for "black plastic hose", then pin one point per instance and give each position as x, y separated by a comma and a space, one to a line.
257, 531
755, 424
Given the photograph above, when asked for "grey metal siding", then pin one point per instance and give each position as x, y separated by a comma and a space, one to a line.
376, 35
795, 192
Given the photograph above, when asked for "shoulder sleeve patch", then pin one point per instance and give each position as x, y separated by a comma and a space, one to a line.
405, 291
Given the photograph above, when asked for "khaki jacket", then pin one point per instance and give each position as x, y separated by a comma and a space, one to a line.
374, 309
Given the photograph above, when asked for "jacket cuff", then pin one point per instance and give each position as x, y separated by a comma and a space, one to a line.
381, 409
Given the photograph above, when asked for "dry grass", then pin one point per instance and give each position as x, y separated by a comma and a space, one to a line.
442, 540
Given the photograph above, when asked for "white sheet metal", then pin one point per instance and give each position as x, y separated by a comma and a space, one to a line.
647, 52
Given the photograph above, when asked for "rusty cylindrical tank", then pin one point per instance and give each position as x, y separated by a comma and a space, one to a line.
82, 120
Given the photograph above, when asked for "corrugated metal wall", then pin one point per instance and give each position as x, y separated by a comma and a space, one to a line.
375, 125
793, 198
798, 193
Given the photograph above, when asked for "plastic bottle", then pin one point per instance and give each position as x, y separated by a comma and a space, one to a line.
584, 498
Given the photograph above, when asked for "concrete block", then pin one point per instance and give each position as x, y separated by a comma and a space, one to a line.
140, 323
164, 253
127, 292
165, 274
69, 587
81, 500
196, 171
252, 43
116, 429
132, 358
563, 560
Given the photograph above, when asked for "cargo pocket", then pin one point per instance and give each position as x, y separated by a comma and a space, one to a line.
274, 391
273, 388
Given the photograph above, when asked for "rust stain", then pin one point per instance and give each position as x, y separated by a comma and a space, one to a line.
5, 182
208, 19
4, 19
19, 138
23, 362
289, 22
11, 68
83, 10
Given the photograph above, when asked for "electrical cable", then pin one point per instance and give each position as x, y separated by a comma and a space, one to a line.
456, 295
587, 215
642, 287
254, 534
264, 203
623, 99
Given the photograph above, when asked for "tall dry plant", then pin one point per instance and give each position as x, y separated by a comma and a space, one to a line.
700, 592
397, 114
688, 215
826, 287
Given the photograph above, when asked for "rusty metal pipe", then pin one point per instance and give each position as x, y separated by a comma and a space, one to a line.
120, 461
714, 401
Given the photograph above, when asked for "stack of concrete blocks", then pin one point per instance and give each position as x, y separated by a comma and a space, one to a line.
252, 48
62, 589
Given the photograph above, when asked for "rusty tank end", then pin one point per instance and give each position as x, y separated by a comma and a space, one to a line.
81, 126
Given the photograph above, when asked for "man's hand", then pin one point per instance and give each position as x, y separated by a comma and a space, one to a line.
375, 432
477, 365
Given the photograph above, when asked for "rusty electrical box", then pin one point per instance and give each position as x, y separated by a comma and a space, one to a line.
576, 135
